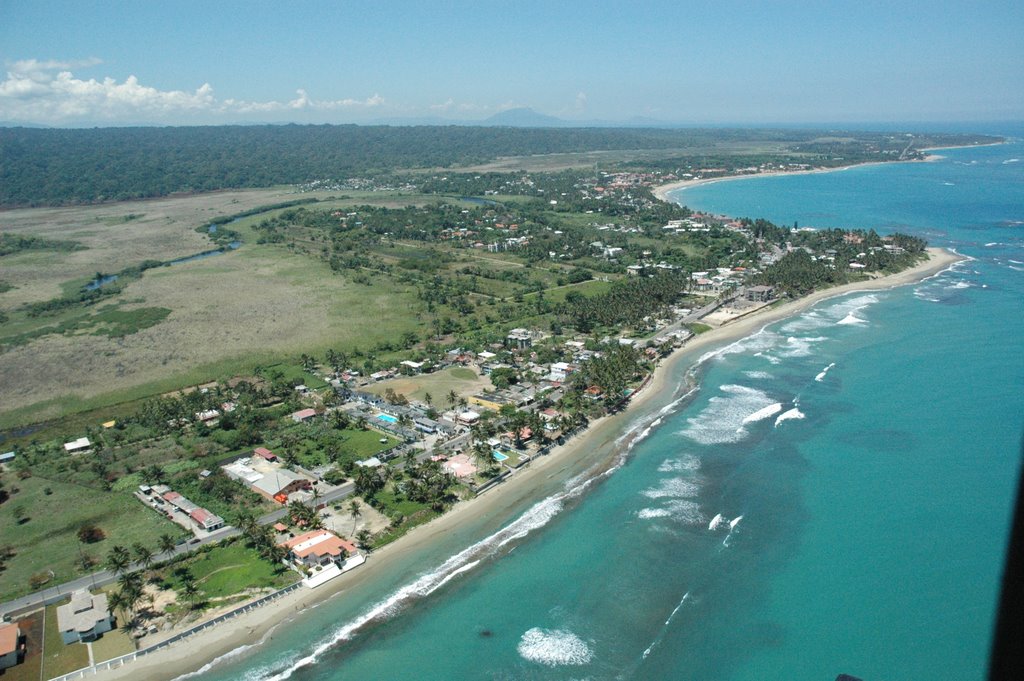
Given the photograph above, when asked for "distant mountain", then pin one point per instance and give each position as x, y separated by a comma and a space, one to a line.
524, 118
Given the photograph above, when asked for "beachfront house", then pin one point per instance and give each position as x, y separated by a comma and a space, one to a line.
11, 647
760, 294
319, 547
85, 618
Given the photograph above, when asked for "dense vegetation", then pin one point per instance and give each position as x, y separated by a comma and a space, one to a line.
60, 166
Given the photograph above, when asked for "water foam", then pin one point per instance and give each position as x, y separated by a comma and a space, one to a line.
687, 463
646, 513
722, 420
764, 375
851, 319
554, 647
673, 488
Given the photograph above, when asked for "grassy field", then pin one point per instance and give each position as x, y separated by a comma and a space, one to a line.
224, 571
59, 659
50, 520
462, 380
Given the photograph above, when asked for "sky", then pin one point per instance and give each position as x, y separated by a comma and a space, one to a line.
180, 62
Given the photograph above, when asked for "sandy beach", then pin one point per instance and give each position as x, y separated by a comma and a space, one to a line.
595, 443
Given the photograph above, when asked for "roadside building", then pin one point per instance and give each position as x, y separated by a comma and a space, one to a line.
85, 618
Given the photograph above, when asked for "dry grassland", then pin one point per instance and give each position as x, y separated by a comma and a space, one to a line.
255, 305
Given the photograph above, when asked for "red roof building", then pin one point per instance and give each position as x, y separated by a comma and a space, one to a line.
319, 547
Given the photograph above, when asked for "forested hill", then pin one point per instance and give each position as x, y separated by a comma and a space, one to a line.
68, 166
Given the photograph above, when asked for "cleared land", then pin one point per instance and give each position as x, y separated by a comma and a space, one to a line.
462, 380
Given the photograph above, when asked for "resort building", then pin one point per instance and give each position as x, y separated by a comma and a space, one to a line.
11, 647
85, 618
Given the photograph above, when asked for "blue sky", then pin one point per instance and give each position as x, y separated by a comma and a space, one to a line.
221, 61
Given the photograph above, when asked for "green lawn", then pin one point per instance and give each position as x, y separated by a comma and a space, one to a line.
59, 659
46, 539
227, 570
112, 644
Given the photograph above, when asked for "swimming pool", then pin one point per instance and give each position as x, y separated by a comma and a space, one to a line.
387, 417
498, 456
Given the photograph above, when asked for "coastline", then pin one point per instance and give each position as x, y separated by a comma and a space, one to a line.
603, 436
661, 191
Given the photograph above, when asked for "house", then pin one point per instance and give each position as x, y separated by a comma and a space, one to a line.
10, 645
469, 417
6, 457
79, 445
206, 520
208, 416
319, 547
303, 415
265, 454
85, 618
760, 294
519, 338
461, 466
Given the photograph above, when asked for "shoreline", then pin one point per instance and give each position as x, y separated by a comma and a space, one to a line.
661, 191
602, 437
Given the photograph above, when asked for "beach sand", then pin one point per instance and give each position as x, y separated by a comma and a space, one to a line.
597, 442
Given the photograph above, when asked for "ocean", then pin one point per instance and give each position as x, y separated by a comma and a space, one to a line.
834, 496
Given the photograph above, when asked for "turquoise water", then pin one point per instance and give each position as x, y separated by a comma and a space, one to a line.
834, 498
387, 417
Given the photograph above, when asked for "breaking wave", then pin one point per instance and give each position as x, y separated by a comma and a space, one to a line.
793, 413
824, 372
723, 419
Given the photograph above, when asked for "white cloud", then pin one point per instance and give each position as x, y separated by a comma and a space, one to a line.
48, 92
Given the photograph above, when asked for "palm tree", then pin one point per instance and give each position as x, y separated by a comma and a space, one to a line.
166, 543
119, 559
190, 591
355, 512
363, 537
143, 555
453, 398
429, 399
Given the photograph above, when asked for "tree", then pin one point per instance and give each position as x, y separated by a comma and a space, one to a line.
143, 555
118, 559
166, 543
90, 533
429, 399
190, 591
453, 398
363, 537
355, 512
